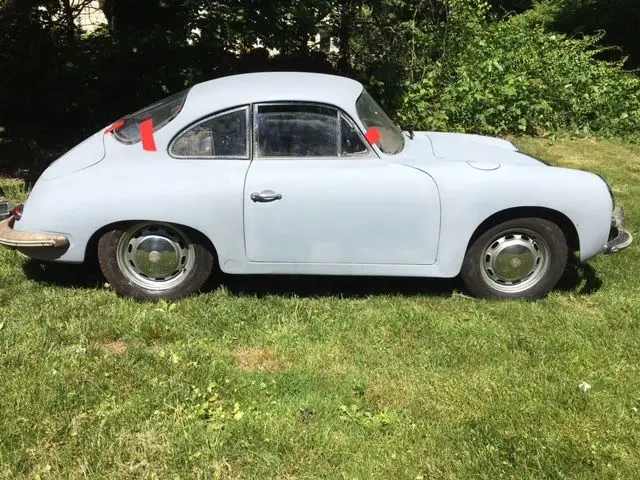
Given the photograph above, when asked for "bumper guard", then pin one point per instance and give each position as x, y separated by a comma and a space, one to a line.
619, 237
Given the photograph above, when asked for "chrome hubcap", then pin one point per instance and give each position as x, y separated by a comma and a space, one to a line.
515, 261
155, 256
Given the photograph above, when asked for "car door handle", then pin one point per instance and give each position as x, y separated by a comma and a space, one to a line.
266, 196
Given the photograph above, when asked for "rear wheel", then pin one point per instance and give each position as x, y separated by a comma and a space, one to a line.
518, 259
150, 261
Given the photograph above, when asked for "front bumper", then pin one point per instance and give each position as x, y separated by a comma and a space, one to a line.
619, 237
15, 239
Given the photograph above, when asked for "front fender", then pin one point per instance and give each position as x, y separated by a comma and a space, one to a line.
470, 196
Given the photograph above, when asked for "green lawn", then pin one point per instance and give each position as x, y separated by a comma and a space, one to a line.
328, 378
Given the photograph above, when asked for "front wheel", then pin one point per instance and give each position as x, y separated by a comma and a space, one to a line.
518, 259
152, 261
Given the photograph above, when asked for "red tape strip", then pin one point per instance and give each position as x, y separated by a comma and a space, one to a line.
146, 135
373, 135
115, 126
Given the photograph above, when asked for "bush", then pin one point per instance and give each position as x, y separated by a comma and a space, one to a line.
515, 76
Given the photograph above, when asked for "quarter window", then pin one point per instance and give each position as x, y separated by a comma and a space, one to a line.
160, 113
224, 135
372, 115
351, 142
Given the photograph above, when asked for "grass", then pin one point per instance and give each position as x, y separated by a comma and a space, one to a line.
13, 189
327, 378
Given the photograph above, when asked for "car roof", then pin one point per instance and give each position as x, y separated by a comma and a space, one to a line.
246, 88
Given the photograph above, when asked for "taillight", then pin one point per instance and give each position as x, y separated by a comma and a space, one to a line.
17, 212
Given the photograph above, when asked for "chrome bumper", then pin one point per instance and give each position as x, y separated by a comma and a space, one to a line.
619, 237
15, 239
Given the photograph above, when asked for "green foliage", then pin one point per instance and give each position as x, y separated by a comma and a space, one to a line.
617, 18
394, 42
208, 406
366, 418
14, 189
514, 76
441, 64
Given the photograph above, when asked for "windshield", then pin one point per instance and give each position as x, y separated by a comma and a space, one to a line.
161, 113
391, 138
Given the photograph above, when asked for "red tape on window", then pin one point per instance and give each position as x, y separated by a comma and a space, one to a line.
146, 135
373, 135
114, 127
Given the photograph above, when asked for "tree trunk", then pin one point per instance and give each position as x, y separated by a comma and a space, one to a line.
70, 26
347, 15
107, 9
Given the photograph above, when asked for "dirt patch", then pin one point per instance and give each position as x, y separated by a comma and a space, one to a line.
256, 358
113, 348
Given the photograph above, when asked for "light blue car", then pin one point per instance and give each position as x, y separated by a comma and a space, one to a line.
301, 173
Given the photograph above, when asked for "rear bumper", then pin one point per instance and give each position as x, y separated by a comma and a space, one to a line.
619, 237
15, 239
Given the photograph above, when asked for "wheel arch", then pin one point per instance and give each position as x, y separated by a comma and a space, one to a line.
91, 249
566, 225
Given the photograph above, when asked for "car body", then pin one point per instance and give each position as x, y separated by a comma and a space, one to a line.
303, 173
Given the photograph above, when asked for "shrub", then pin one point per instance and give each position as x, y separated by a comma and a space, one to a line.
514, 76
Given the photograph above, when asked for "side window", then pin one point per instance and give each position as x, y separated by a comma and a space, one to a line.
224, 135
350, 141
297, 131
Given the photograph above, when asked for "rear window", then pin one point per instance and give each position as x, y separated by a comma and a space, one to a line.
161, 113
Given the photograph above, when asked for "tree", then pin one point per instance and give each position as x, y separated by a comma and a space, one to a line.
617, 18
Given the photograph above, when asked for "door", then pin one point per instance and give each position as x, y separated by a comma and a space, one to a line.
315, 192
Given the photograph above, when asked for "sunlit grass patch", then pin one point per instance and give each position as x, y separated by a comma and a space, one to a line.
327, 378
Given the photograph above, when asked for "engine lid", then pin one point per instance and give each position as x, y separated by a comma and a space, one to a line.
85, 154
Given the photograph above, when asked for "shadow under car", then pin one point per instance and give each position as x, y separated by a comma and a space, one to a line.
580, 278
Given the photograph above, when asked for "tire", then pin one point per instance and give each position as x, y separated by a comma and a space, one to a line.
153, 261
518, 259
